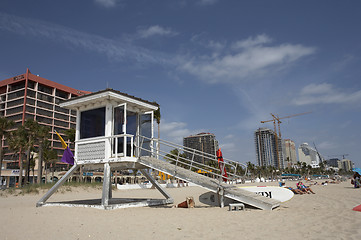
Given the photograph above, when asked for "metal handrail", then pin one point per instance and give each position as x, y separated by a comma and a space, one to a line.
189, 163
185, 157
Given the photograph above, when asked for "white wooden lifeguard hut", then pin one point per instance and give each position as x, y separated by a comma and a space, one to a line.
108, 129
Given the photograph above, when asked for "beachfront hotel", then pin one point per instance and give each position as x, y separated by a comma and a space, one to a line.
308, 155
29, 96
267, 148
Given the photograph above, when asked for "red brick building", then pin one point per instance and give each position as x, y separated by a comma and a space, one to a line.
28, 96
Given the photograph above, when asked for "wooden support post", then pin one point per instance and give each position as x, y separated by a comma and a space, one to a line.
106, 185
57, 185
110, 184
220, 193
156, 184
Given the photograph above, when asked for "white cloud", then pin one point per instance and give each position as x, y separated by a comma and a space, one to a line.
229, 136
227, 146
326, 145
324, 93
107, 3
323, 88
252, 42
207, 2
217, 46
155, 30
249, 59
114, 49
174, 131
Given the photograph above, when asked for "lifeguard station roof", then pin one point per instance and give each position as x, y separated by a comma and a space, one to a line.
103, 96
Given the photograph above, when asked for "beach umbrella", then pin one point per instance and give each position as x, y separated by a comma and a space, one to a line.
358, 170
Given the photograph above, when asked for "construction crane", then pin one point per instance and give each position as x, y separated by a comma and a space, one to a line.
278, 135
278, 120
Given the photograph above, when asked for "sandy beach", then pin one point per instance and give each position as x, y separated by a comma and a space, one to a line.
327, 214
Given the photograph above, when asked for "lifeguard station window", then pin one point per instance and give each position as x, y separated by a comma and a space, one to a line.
92, 123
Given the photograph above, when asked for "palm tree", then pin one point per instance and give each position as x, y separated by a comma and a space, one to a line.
173, 155
17, 143
271, 170
250, 168
304, 168
157, 117
31, 136
32, 165
50, 159
70, 134
322, 168
43, 136
309, 170
5, 125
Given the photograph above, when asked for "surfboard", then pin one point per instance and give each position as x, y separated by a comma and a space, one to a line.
279, 193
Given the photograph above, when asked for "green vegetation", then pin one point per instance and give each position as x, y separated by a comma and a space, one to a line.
301, 168
5, 125
23, 140
38, 188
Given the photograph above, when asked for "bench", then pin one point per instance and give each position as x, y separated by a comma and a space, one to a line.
236, 206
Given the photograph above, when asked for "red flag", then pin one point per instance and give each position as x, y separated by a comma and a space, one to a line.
222, 165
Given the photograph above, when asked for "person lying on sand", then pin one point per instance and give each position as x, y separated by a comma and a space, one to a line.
304, 188
294, 190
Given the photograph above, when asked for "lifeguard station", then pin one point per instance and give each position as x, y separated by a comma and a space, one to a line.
109, 126
114, 131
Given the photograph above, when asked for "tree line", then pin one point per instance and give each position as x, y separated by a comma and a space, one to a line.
300, 168
26, 139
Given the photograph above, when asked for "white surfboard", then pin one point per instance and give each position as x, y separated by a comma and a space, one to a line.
279, 193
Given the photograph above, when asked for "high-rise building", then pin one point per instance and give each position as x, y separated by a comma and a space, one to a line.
347, 165
289, 152
203, 142
334, 162
28, 96
308, 155
267, 148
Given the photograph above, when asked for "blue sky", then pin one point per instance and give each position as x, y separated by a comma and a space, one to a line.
213, 65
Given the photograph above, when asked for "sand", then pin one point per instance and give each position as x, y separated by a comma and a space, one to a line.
327, 214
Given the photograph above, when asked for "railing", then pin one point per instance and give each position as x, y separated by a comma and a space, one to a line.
92, 150
114, 140
186, 158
